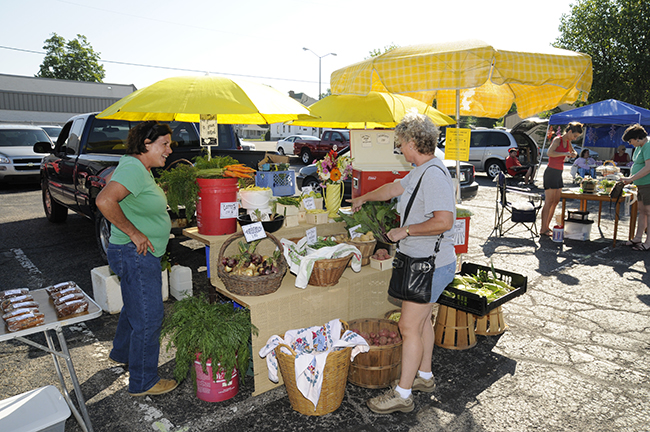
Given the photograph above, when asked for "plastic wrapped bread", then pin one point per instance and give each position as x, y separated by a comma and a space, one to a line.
17, 312
24, 321
60, 286
71, 307
67, 291
13, 293
25, 304
18, 299
69, 297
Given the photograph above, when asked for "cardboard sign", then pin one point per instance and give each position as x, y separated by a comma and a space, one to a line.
353, 231
229, 210
254, 231
457, 144
309, 203
312, 237
459, 232
209, 130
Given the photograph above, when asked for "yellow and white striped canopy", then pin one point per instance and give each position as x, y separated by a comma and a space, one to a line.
489, 80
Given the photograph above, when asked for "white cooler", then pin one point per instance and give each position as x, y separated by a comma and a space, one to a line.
40, 410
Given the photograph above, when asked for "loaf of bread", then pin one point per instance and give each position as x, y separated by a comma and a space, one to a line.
18, 299
25, 304
60, 286
64, 292
16, 312
13, 293
71, 307
69, 297
22, 322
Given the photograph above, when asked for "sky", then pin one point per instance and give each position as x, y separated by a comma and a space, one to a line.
143, 41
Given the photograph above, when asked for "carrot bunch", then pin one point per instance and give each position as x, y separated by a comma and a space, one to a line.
238, 171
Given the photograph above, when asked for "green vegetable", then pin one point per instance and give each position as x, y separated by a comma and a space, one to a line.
323, 242
289, 201
376, 216
483, 284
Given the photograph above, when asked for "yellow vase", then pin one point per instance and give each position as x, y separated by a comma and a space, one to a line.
333, 198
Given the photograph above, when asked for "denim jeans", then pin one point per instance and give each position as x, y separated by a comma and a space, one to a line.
584, 171
137, 338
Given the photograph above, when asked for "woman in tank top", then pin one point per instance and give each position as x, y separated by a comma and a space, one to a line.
560, 149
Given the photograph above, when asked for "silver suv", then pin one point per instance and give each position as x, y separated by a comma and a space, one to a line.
18, 161
488, 149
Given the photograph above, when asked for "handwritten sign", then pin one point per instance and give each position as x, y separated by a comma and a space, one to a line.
229, 210
459, 232
307, 190
254, 231
353, 231
208, 129
457, 144
309, 203
311, 235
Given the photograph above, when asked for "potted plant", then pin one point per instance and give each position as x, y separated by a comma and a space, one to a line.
216, 332
214, 180
607, 185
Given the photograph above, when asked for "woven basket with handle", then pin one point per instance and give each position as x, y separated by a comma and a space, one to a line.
366, 248
327, 272
335, 377
251, 285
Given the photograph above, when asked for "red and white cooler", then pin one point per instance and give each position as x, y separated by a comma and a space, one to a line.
375, 162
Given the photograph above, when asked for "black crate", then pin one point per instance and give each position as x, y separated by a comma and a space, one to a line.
478, 305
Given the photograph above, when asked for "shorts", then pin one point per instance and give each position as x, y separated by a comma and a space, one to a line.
643, 194
442, 276
553, 179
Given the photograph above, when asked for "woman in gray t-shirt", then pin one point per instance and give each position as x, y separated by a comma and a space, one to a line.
433, 213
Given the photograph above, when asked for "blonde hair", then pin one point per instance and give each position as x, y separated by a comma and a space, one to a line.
420, 129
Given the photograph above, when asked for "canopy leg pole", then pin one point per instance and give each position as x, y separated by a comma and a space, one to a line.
457, 184
541, 153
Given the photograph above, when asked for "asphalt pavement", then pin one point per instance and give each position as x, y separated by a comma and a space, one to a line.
575, 355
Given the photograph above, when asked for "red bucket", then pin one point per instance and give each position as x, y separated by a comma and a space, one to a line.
217, 209
214, 391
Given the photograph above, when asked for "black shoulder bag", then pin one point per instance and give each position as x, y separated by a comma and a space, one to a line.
411, 278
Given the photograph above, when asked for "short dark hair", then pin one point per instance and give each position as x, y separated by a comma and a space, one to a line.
583, 152
635, 131
148, 130
574, 127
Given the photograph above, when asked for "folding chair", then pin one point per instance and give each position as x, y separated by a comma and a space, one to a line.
505, 213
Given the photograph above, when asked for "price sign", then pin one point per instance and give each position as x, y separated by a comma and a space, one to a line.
307, 190
353, 231
309, 203
311, 235
457, 144
254, 231
208, 129
229, 210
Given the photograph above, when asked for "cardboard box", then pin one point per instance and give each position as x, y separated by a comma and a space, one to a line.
39, 410
382, 265
317, 218
290, 221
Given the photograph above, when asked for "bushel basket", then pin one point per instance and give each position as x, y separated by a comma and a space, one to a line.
335, 377
251, 285
366, 248
327, 272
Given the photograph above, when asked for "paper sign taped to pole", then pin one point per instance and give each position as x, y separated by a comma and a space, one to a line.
209, 130
457, 144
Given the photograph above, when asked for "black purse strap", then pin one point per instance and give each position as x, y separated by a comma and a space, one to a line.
410, 203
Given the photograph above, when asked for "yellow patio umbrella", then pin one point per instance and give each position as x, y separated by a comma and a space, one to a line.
374, 110
472, 78
187, 98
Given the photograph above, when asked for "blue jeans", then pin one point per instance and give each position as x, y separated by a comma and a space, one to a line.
442, 276
137, 338
584, 171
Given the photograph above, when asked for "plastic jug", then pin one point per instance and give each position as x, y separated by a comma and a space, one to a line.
180, 282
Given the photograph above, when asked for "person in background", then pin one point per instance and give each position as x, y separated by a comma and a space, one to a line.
586, 165
560, 149
637, 136
137, 209
621, 157
514, 167
432, 215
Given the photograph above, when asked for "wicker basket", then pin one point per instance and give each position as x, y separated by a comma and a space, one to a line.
327, 272
366, 249
335, 377
250, 285
607, 168
381, 365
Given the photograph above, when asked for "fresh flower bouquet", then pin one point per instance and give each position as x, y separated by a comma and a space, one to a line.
334, 168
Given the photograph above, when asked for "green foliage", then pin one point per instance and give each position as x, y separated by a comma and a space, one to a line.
218, 331
181, 188
377, 52
71, 60
615, 33
202, 162
376, 216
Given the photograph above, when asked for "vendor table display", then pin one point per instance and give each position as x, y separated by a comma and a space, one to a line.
52, 323
585, 197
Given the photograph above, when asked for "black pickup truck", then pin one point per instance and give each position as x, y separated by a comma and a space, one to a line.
87, 151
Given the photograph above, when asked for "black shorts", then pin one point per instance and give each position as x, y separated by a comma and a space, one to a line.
553, 179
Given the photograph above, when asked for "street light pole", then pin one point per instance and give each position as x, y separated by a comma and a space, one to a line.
319, 68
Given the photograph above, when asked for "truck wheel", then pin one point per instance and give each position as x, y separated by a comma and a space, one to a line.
494, 167
314, 183
103, 233
305, 157
54, 211
281, 151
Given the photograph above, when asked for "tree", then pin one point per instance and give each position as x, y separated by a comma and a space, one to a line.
72, 60
378, 52
616, 34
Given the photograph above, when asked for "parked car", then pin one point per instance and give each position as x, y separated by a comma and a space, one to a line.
285, 145
310, 150
488, 149
52, 131
18, 161
308, 176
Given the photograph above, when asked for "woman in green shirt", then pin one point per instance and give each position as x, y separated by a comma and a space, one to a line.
640, 176
137, 209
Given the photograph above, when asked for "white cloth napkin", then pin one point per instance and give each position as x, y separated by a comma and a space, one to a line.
312, 345
301, 257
